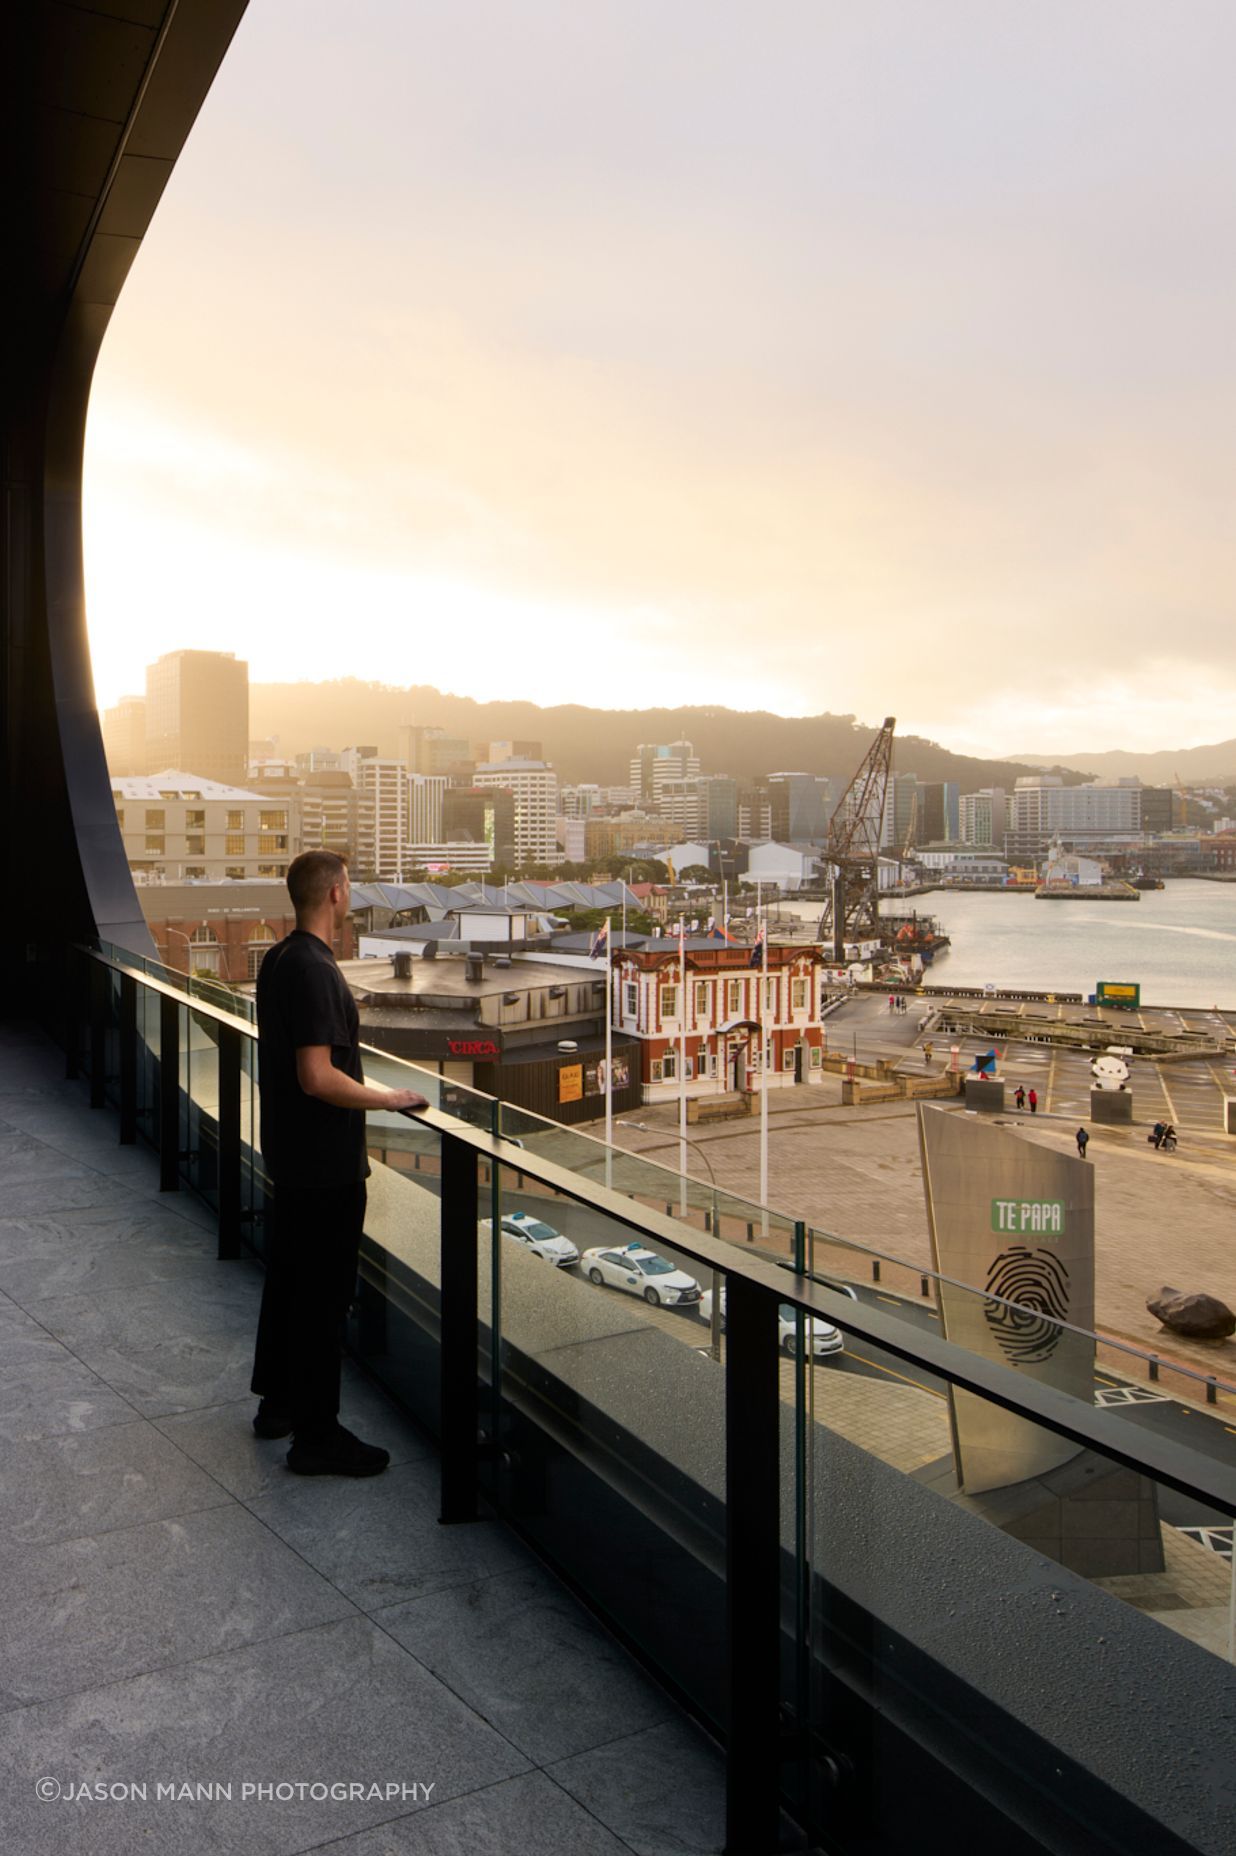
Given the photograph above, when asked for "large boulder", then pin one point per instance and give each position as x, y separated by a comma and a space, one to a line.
1201, 1317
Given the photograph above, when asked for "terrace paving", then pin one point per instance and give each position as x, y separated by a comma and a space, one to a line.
182, 1611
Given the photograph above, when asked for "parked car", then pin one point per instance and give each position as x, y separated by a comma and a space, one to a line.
537, 1236
823, 1337
641, 1272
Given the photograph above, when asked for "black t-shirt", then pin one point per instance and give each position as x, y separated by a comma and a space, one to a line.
303, 999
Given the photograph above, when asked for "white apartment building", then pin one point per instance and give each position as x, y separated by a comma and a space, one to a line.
684, 803
453, 854
1042, 807
425, 806
385, 784
533, 785
572, 835
177, 826
984, 817
653, 763
578, 801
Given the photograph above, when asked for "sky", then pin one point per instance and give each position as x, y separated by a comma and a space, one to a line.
796, 356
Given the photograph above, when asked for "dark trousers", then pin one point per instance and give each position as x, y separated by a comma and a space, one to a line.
310, 1280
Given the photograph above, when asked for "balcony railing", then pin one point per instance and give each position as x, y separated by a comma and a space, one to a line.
766, 1520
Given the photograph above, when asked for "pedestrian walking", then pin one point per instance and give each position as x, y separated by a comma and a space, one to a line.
892, 1003
927, 1049
1020, 1097
1083, 1141
1033, 1100
313, 1098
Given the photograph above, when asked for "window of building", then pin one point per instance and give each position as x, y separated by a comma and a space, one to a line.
269, 870
192, 870
235, 821
656, 1069
787, 1059
156, 818
770, 997
154, 843
815, 1056
733, 998
798, 995
260, 938
195, 821
272, 841
195, 844
701, 998
669, 1001
234, 870
272, 821
631, 998
234, 844
669, 1066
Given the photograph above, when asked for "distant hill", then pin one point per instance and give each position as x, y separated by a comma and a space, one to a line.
1207, 766
596, 744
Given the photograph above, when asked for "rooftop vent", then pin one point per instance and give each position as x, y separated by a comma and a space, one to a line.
502, 960
474, 968
557, 992
403, 966
431, 950
510, 998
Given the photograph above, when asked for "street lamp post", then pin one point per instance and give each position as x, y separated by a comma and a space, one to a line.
167, 929
715, 1324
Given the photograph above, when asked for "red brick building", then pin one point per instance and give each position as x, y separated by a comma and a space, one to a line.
722, 1007
223, 929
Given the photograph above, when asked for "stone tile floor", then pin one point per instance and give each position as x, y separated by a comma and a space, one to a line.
181, 1612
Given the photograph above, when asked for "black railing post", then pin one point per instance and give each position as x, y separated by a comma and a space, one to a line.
753, 1569
98, 1035
169, 1094
75, 979
128, 1060
229, 1143
457, 1317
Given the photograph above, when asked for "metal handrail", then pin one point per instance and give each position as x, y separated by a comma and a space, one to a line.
1188, 1471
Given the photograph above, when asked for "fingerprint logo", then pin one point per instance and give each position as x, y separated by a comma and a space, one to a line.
1039, 1283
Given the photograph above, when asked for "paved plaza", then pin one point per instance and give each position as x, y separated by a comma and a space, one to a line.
855, 1172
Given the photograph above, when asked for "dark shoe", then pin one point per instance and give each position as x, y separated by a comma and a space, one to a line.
339, 1453
271, 1421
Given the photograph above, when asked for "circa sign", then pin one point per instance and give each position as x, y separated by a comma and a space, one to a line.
1044, 1216
472, 1047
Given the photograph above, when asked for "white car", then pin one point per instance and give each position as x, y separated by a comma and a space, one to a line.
537, 1236
641, 1272
823, 1337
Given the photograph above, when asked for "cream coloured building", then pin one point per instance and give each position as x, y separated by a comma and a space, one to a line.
177, 826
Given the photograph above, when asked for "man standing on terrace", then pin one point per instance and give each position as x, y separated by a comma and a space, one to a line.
314, 1098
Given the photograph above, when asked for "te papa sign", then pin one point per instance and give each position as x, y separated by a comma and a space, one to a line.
1020, 1217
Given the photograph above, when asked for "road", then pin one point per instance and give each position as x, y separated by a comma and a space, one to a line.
1139, 1404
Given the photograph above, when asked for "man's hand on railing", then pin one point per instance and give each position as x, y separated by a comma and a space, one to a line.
405, 1100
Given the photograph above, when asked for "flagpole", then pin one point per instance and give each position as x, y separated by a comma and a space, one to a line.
609, 1053
763, 986
682, 1063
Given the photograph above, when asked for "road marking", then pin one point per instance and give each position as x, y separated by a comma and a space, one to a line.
904, 1377
1171, 1106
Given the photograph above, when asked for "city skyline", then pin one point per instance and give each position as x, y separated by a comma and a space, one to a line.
817, 364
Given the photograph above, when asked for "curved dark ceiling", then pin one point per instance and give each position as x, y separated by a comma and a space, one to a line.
97, 102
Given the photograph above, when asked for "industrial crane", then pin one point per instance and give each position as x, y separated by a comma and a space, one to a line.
852, 911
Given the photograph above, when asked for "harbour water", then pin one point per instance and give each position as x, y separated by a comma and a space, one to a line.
1178, 943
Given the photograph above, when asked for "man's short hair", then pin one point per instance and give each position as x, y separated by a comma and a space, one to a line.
312, 876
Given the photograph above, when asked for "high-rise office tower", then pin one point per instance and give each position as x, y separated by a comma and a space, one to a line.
124, 736
197, 715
